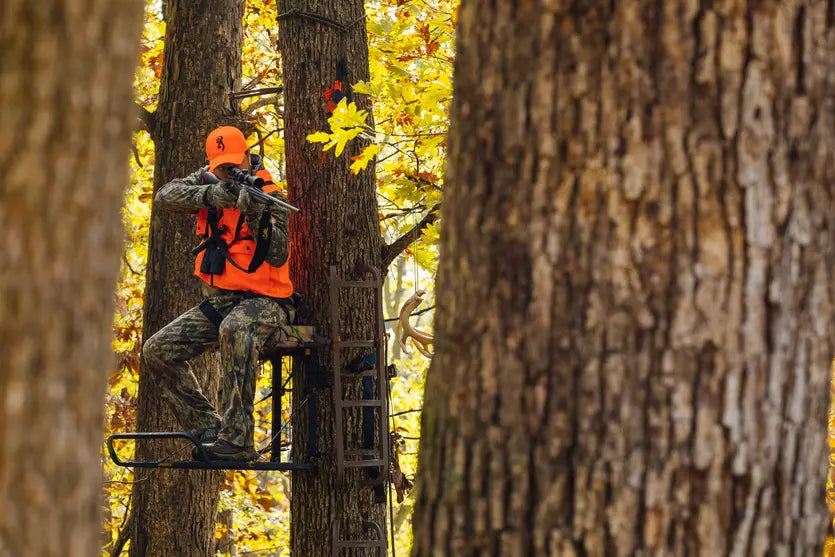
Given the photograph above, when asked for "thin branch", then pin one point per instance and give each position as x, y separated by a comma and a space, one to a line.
258, 551
124, 536
413, 410
391, 202
260, 103
135, 152
419, 312
293, 12
420, 207
392, 250
256, 92
264, 138
418, 134
132, 270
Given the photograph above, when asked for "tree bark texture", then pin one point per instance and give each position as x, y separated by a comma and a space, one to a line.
66, 106
635, 297
337, 226
176, 511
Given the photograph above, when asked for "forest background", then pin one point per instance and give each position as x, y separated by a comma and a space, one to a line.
411, 52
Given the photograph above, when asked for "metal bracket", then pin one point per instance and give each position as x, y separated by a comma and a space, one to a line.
337, 544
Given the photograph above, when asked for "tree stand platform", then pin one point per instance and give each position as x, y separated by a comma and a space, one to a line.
294, 341
298, 341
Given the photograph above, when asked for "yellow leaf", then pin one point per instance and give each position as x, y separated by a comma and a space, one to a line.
318, 137
362, 87
361, 161
343, 136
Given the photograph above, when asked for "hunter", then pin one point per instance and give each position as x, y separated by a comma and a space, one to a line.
243, 263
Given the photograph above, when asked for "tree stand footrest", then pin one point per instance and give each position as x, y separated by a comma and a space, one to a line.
194, 464
289, 339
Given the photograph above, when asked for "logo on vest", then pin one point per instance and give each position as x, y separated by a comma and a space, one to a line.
220, 144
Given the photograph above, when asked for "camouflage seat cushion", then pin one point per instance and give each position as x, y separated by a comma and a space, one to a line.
287, 338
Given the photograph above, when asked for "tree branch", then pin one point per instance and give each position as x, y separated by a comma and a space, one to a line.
132, 270
250, 110
392, 250
147, 120
406, 412
124, 536
419, 312
256, 92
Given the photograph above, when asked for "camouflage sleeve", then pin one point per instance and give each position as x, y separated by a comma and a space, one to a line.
279, 248
183, 195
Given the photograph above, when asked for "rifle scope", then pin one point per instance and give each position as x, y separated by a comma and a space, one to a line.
245, 177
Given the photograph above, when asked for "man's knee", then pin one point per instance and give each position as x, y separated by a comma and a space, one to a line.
156, 357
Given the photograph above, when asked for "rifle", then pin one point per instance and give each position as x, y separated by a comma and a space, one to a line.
252, 184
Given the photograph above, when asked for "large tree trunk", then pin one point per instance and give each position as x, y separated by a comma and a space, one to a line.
337, 226
640, 196
176, 511
66, 105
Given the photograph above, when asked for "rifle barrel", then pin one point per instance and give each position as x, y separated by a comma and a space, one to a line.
255, 193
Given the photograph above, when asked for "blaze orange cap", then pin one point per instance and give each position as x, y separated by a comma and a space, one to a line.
225, 145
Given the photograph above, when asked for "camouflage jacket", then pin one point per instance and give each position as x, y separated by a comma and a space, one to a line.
187, 195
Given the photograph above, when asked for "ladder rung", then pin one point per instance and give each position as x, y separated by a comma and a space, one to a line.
357, 343
376, 463
361, 403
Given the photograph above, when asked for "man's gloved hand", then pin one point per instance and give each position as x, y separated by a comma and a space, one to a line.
221, 195
246, 205
252, 209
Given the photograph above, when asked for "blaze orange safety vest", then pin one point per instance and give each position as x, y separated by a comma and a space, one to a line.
266, 279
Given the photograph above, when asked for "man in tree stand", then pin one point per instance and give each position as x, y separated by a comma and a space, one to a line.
248, 296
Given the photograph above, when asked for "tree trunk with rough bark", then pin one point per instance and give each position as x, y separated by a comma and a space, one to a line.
640, 198
176, 511
337, 226
66, 106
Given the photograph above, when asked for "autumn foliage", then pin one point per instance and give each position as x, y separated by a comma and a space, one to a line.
411, 48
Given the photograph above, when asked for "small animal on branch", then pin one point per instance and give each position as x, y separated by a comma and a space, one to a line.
420, 339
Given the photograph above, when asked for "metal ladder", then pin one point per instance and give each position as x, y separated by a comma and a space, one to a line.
375, 459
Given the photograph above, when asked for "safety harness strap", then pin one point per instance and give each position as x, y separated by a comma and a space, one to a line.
211, 313
217, 250
262, 241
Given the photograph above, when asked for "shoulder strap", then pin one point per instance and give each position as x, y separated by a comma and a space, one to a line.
263, 237
211, 312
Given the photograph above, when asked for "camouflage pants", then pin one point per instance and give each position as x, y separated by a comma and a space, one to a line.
247, 323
